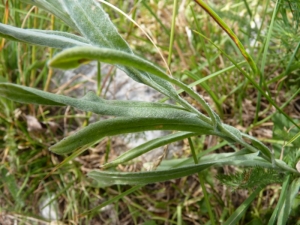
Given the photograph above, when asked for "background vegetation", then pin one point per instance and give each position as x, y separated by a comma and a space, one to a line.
27, 131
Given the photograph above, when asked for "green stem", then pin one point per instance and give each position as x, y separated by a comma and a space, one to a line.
202, 183
172, 31
264, 58
198, 98
230, 33
99, 78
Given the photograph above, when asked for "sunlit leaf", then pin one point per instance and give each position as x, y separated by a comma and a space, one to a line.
109, 127
92, 103
44, 38
112, 177
94, 24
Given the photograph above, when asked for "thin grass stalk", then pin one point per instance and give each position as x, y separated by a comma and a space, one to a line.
248, 8
253, 82
271, 115
264, 59
131, 25
202, 183
33, 50
146, 34
5, 20
50, 71
155, 16
110, 201
206, 54
230, 33
264, 15
99, 77
179, 215
293, 57
171, 43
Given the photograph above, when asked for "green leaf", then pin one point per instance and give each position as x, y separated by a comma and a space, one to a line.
294, 191
63, 34
54, 7
289, 197
148, 146
111, 177
94, 24
286, 207
44, 38
233, 131
259, 145
281, 200
92, 103
107, 178
241, 210
92, 133
73, 57
243, 158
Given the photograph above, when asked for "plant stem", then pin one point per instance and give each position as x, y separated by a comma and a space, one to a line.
172, 31
230, 33
202, 183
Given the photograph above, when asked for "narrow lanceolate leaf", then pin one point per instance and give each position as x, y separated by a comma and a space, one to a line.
286, 207
63, 34
94, 24
293, 192
148, 146
73, 57
44, 38
282, 198
94, 132
243, 158
107, 178
110, 177
92, 103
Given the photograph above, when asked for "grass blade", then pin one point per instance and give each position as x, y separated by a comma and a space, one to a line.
264, 58
230, 33
281, 200
241, 210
